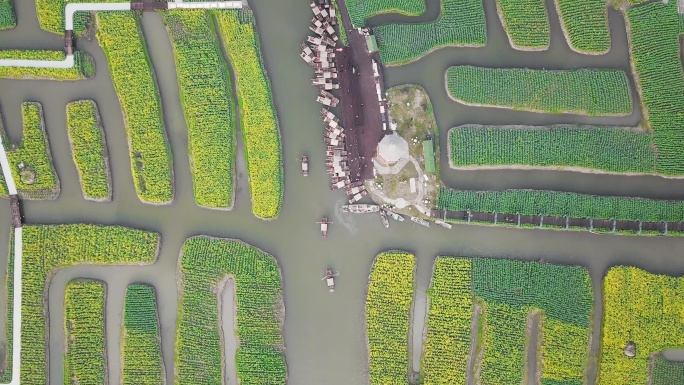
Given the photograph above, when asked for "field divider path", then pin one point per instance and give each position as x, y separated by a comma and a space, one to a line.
72, 8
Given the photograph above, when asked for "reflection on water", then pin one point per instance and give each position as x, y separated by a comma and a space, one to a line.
324, 333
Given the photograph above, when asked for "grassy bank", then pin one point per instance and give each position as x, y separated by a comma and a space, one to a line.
554, 203
388, 305
133, 77
51, 15
461, 23
360, 10
84, 65
642, 308
610, 149
85, 358
590, 92
585, 25
141, 358
526, 23
31, 161
89, 150
509, 291
48, 249
258, 121
260, 359
205, 90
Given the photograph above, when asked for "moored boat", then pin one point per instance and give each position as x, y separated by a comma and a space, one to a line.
360, 208
443, 224
330, 279
383, 217
324, 227
395, 216
305, 165
421, 221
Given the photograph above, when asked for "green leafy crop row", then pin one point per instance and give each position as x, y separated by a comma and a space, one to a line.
140, 342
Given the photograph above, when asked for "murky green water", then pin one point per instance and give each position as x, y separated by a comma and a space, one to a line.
324, 333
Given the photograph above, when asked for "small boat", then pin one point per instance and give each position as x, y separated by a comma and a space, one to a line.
443, 224
395, 216
330, 279
324, 227
421, 221
360, 208
385, 221
305, 165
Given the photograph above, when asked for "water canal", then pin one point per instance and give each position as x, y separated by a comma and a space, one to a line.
324, 333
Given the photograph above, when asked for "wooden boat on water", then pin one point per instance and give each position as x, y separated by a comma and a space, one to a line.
324, 227
330, 279
305, 165
395, 216
360, 208
420, 221
383, 217
443, 224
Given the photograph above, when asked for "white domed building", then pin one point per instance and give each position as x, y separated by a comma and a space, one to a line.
391, 149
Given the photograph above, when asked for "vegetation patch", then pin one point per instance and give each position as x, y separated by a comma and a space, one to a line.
585, 25
48, 249
140, 342
7, 19
258, 121
133, 77
447, 344
51, 15
361, 10
89, 150
664, 372
388, 312
461, 23
30, 161
610, 149
85, 359
509, 291
260, 358
526, 23
586, 92
204, 85
644, 309
654, 46
556, 203
84, 65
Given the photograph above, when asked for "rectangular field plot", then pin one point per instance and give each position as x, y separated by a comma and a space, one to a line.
585, 25
361, 10
495, 299
645, 311
592, 92
610, 149
525, 22
388, 304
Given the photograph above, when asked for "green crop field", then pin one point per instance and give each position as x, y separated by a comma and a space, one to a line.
643, 308
586, 92
461, 23
447, 344
89, 149
388, 304
84, 66
30, 161
654, 41
51, 14
555, 203
362, 10
7, 19
585, 25
340, 24
525, 22
258, 121
85, 359
205, 264
666, 372
133, 77
141, 358
208, 105
48, 249
507, 291
611, 149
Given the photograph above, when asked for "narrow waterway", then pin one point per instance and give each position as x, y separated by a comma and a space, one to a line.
324, 333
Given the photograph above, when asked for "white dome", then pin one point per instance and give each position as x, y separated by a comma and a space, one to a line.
392, 148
